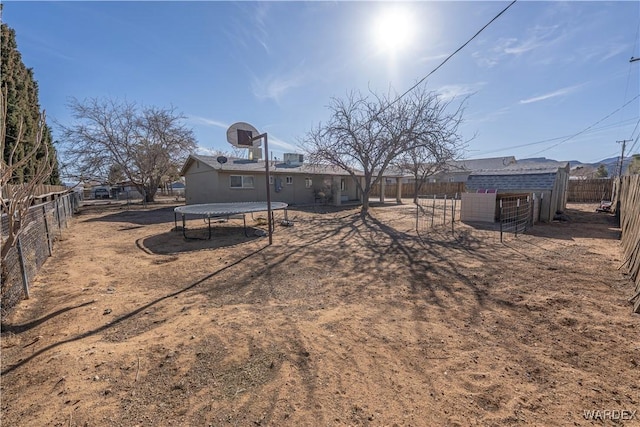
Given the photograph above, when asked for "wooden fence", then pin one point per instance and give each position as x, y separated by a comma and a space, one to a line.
580, 190
589, 190
629, 210
408, 189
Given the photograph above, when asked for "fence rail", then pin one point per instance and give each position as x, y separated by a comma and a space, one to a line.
629, 210
45, 223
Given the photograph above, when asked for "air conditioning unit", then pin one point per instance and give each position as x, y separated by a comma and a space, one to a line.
293, 158
255, 153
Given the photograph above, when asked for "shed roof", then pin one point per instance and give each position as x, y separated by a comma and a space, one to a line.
539, 176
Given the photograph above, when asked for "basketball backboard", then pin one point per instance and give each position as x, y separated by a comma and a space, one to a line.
240, 134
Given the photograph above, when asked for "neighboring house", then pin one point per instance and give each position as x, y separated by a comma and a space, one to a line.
459, 170
125, 190
583, 172
177, 186
549, 181
242, 180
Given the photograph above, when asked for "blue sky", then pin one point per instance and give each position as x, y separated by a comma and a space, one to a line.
547, 78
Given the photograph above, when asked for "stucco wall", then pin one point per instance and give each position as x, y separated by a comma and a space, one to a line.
207, 185
294, 193
200, 183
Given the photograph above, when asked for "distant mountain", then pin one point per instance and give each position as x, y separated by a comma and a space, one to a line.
611, 163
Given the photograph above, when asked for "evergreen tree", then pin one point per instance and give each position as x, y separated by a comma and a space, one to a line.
634, 166
602, 172
23, 111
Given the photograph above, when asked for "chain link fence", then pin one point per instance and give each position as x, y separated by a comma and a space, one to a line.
44, 224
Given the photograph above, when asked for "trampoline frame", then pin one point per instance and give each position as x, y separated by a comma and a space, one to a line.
224, 210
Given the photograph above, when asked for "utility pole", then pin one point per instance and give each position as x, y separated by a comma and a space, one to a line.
624, 145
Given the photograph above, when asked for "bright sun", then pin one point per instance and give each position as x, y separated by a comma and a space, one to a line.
393, 30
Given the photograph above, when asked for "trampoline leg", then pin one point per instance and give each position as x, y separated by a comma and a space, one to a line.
273, 223
209, 227
175, 222
184, 227
244, 219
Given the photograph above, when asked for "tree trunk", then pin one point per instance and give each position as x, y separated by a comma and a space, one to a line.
149, 195
416, 191
365, 204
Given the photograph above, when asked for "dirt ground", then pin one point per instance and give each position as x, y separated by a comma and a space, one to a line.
342, 321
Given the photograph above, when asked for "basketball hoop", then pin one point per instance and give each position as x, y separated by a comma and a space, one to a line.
242, 135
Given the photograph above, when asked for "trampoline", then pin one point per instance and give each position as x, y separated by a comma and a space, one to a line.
223, 210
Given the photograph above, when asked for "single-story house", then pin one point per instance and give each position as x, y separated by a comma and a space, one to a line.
125, 190
549, 181
242, 180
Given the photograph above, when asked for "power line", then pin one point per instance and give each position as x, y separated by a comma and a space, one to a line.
631, 137
634, 144
529, 144
614, 154
445, 60
635, 44
451, 56
586, 129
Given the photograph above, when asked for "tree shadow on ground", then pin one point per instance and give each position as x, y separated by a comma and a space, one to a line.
16, 329
127, 316
163, 215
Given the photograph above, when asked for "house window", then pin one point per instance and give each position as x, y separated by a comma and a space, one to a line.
289, 180
308, 183
241, 181
343, 184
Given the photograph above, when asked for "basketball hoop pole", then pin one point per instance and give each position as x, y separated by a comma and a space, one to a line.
266, 165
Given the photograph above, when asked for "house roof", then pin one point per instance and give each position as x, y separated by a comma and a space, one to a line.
258, 166
524, 169
470, 165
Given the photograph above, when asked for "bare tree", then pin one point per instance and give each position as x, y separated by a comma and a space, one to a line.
17, 198
365, 134
143, 143
436, 146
